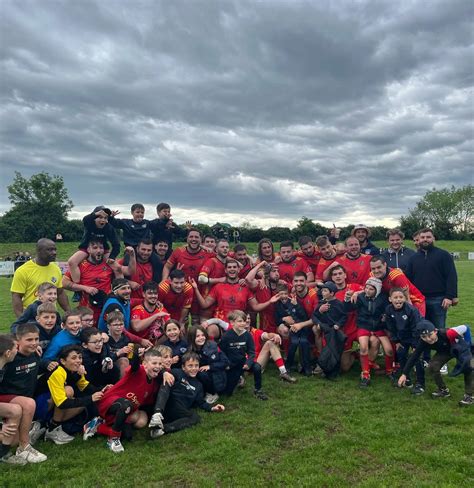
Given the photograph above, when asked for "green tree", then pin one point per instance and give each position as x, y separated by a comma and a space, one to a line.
449, 211
306, 227
40, 206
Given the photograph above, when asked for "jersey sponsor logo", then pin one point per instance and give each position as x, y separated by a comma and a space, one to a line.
25, 368
238, 345
187, 385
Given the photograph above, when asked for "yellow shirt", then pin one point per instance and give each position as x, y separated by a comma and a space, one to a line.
30, 275
57, 383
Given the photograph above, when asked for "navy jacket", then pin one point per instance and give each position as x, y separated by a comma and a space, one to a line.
133, 232
336, 315
188, 391
211, 356
401, 324
433, 273
240, 349
105, 235
398, 259
369, 311
296, 312
371, 249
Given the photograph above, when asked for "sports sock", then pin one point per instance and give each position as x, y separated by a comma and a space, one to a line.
281, 365
53, 424
364, 365
4, 449
107, 431
388, 364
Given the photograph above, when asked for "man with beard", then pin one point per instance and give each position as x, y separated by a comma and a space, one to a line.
96, 276
39, 270
189, 259
397, 255
290, 264
240, 255
328, 256
432, 270
339, 277
119, 300
176, 294
362, 233
146, 268
356, 265
309, 253
161, 249
231, 295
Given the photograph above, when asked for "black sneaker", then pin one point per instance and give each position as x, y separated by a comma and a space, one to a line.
364, 382
443, 393
418, 390
408, 383
260, 395
466, 401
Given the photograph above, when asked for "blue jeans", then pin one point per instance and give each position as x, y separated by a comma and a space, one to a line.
300, 339
436, 314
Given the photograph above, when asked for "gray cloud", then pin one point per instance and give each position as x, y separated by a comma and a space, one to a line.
338, 111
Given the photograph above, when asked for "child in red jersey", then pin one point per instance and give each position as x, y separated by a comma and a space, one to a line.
121, 404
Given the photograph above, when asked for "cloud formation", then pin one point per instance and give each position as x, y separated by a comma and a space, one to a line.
259, 111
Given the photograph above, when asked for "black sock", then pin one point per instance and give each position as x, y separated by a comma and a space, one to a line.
52, 424
4, 449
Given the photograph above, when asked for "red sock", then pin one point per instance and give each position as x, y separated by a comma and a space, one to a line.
107, 431
388, 364
364, 365
280, 363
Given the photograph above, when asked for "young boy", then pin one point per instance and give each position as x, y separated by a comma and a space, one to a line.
46, 323
330, 317
120, 404
173, 404
69, 335
287, 313
87, 317
47, 293
162, 227
98, 359
18, 379
96, 227
442, 341
70, 392
237, 344
370, 305
134, 229
401, 321
121, 340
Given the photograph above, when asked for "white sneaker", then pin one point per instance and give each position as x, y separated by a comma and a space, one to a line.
114, 444
156, 421
211, 398
444, 369
36, 431
91, 427
30, 454
13, 459
58, 436
155, 433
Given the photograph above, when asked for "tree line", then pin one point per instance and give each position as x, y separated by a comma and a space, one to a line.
41, 203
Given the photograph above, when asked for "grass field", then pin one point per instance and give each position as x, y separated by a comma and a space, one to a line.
313, 433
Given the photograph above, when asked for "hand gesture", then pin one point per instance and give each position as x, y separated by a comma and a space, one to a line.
114, 213
188, 224
168, 379
193, 283
39, 351
98, 395
324, 307
204, 368
218, 408
52, 365
146, 344
81, 371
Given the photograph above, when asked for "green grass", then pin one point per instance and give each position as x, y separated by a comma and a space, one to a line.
313, 434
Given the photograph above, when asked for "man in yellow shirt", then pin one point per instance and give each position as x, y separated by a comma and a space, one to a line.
28, 277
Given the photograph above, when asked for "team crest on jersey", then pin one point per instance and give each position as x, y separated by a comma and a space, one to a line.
104, 268
404, 317
54, 279
232, 299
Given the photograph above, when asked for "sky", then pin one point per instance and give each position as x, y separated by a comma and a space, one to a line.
240, 111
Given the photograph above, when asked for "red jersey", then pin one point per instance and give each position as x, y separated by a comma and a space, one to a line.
246, 268
143, 273
267, 316
396, 278
132, 386
230, 297
192, 262
212, 268
96, 275
312, 260
358, 269
309, 301
350, 327
175, 302
155, 330
257, 339
288, 269
323, 265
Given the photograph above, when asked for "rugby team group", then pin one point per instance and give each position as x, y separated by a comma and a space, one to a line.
160, 332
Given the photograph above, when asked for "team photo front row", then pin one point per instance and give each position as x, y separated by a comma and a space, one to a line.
156, 336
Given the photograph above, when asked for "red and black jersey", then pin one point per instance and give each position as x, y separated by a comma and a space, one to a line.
175, 302
350, 326
230, 297
267, 316
143, 273
395, 278
312, 260
309, 301
191, 262
323, 265
288, 269
358, 269
155, 330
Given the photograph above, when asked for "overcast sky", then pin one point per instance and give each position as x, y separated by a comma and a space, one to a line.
265, 111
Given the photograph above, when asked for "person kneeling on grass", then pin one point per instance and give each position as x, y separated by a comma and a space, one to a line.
173, 408
70, 392
238, 346
121, 403
444, 342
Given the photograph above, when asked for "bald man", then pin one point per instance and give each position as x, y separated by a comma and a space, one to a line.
39, 270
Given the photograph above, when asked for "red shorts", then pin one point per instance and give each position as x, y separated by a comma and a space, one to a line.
351, 338
368, 333
7, 398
